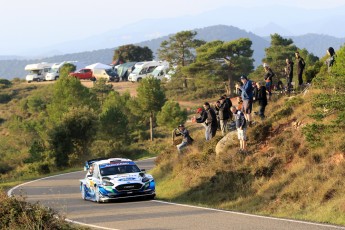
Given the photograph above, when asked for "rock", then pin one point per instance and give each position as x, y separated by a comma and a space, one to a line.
225, 141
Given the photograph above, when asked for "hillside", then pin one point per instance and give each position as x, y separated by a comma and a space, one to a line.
292, 169
314, 43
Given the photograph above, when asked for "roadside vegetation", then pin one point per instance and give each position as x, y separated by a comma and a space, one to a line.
295, 164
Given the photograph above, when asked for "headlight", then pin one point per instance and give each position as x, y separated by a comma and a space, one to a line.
145, 179
146, 185
107, 183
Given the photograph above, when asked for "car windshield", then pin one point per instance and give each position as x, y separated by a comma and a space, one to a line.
111, 72
156, 72
136, 70
53, 70
119, 169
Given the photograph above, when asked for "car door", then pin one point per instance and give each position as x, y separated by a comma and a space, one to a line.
96, 178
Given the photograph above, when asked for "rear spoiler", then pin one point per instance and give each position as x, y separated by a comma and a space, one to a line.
90, 162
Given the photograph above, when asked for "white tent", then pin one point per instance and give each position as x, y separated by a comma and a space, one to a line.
98, 66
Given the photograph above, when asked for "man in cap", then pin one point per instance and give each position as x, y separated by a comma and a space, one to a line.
209, 119
247, 98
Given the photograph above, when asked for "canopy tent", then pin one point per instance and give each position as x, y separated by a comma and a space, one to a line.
98, 66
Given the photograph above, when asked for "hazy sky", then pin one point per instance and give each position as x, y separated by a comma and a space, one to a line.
33, 23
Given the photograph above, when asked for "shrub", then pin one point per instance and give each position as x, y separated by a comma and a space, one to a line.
16, 213
4, 98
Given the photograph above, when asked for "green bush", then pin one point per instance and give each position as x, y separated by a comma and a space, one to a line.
4, 98
16, 213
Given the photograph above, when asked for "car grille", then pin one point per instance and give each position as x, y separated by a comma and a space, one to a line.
128, 187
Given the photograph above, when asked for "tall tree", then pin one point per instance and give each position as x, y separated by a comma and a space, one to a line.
151, 98
171, 115
280, 49
69, 93
179, 49
227, 60
132, 53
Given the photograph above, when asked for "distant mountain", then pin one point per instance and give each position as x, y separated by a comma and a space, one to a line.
262, 21
317, 43
10, 57
314, 43
267, 30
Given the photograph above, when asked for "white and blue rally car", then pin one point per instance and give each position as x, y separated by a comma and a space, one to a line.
115, 178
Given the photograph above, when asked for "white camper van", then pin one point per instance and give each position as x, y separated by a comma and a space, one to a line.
37, 72
54, 72
142, 69
161, 71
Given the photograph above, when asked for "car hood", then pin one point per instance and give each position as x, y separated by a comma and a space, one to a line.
125, 178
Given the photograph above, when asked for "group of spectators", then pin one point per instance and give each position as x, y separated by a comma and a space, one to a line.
260, 92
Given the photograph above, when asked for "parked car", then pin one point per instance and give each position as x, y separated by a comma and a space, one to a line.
109, 74
83, 74
115, 178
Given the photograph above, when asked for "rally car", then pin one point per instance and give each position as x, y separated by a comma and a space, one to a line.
115, 178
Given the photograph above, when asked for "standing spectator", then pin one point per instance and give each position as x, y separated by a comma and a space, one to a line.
261, 98
289, 73
300, 68
330, 61
209, 120
241, 127
247, 98
239, 103
224, 114
227, 101
216, 110
268, 79
186, 138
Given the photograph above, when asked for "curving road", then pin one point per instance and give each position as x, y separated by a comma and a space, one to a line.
61, 192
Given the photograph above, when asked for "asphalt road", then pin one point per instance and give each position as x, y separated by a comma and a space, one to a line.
62, 193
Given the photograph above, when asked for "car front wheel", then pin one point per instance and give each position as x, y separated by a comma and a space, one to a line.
83, 192
97, 196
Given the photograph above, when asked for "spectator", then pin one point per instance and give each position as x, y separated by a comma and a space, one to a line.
330, 61
216, 110
300, 68
261, 98
186, 138
289, 73
224, 114
228, 101
209, 119
239, 103
247, 98
268, 79
241, 127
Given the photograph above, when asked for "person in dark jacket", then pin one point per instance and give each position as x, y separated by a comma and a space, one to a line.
247, 98
261, 98
289, 73
300, 67
208, 119
224, 114
186, 138
330, 61
268, 78
241, 126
